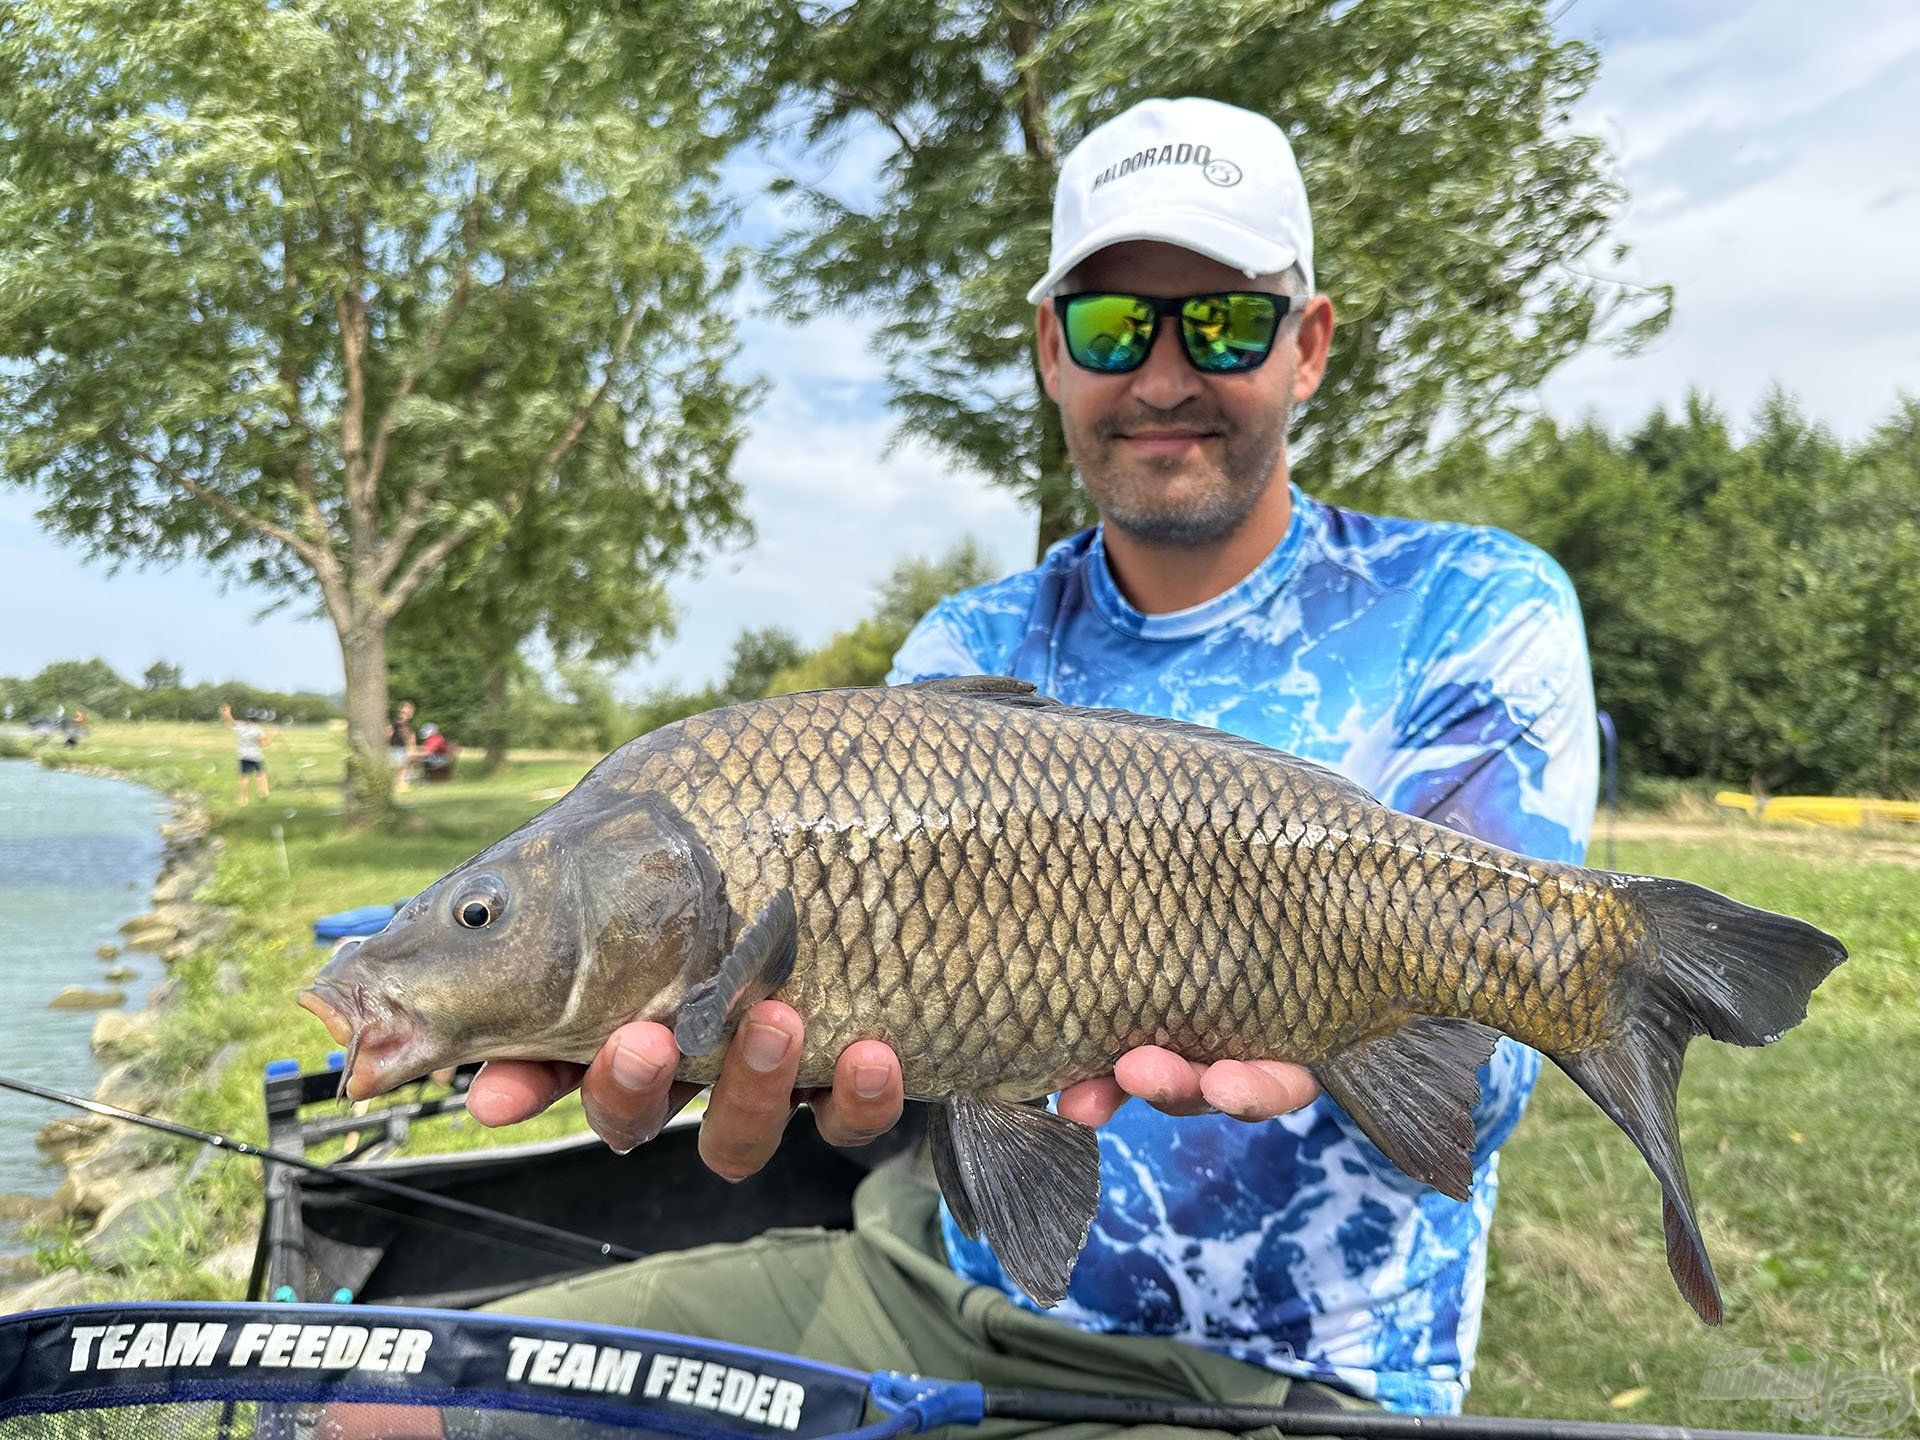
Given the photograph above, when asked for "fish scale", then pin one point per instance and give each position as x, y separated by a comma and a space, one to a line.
1013, 893
1032, 857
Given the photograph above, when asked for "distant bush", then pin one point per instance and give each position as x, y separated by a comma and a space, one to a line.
95, 687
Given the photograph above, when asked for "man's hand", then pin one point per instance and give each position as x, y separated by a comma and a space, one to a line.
1245, 1089
629, 1092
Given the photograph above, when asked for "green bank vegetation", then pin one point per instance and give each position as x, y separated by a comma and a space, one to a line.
1801, 1154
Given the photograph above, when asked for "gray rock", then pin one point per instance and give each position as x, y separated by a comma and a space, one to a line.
94, 1198
79, 997
122, 1155
124, 1085
107, 951
228, 978
126, 1221
63, 1287
122, 972
232, 1265
26, 1209
66, 1133
115, 1031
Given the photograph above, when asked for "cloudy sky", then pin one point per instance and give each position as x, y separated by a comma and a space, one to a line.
1774, 181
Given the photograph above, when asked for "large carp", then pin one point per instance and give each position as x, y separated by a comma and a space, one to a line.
1012, 892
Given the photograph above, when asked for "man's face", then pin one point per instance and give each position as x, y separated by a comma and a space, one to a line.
1168, 454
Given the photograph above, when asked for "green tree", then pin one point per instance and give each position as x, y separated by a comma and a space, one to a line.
1867, 548
758, 656
1456, 207
862, 654
162, 676
329, 295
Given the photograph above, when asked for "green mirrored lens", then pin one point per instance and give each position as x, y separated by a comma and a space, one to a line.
1108, 332
1229, 332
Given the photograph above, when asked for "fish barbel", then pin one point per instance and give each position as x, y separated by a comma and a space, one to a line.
1013, 892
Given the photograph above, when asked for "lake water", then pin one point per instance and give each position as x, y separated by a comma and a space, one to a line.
78, 856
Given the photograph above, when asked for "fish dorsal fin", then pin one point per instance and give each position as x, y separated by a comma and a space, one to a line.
1412, 1090
1007, 690
759, 964
1003, 689
1026, 1179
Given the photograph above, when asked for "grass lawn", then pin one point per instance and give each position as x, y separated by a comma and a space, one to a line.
1804, 1157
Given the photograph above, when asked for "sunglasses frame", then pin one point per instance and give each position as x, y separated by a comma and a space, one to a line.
1165, 307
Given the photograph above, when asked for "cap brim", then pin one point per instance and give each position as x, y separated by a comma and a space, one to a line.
1206, 235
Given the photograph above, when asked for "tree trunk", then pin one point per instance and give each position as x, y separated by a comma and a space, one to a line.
369, 778
495, 730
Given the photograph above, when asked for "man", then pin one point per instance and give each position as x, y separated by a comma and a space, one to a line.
1444, 667
250, 746
401, 746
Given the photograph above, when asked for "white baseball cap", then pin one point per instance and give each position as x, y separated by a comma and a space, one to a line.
1197, 173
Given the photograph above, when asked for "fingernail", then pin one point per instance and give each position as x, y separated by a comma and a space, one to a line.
765, 1047
619, 1136
869, 1081
632, 1070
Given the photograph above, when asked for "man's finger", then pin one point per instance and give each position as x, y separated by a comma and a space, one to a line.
1163, 1079
867, 1096
505, 1092
1257, 1089
629, 1092
753, 1099
1093, 1102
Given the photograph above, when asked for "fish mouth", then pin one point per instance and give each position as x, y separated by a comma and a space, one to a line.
385, 1047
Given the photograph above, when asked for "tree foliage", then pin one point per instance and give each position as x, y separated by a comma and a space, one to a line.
1456, 209
1752, 602
163, 694
863, 653
330, 295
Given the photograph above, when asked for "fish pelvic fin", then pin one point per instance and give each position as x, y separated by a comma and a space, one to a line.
1411, 1090
1026, 1179
759, 964
1718, 968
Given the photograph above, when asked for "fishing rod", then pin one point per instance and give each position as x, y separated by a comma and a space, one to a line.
535, 1234
1062, 1406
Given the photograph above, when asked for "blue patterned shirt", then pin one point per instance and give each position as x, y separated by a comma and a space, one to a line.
1444, 667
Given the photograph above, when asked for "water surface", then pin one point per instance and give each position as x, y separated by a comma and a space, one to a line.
78, 856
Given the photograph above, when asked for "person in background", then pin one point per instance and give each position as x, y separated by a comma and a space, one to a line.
436, 753
401, 745
250, 745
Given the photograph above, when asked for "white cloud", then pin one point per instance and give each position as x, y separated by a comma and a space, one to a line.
1774, 185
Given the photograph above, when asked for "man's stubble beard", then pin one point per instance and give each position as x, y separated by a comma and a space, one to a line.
1131, 493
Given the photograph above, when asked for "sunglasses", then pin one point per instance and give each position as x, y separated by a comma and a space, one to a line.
1224, 334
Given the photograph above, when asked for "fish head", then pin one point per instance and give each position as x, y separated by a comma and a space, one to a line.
588, 916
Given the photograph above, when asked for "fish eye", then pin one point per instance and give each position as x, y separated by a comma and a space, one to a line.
480, 904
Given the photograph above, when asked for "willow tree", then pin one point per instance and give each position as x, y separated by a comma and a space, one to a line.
329, 293
1461, 221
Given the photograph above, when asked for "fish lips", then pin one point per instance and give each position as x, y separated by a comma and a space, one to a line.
384, 1047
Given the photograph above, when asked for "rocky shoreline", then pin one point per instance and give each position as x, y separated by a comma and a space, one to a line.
118, 1184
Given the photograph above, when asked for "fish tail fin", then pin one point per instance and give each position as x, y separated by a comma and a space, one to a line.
1717, 968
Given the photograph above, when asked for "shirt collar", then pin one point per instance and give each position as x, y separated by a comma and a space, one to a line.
1249, 594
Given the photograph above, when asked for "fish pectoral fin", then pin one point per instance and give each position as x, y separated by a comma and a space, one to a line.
759, 964
1026, 1179
1412, 1090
